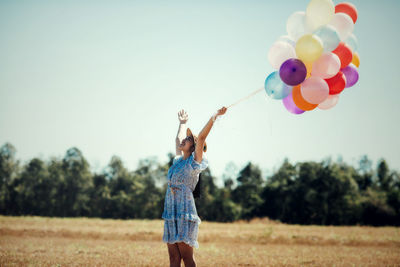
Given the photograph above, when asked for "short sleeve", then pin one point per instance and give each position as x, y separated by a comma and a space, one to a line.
198, 166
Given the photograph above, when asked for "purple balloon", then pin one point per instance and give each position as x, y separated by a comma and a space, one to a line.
293, 71
290, 105
351, 74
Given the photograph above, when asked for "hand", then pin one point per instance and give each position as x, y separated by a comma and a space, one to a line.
221, 111
183, 116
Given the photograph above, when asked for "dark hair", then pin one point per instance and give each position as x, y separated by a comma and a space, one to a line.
197, 189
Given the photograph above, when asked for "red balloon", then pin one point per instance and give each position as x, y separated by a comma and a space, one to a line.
348, 9
343, 51
337, 83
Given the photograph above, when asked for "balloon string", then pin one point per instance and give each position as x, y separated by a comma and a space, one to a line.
246, 97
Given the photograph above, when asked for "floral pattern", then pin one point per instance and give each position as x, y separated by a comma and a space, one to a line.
181, 222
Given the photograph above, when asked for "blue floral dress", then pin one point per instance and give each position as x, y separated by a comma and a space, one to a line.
181, 222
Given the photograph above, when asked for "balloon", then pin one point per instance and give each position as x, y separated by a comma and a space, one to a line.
343, 51
326, 66
296, 25
309, 48
287, 39
352, 42
293, 71
319, 12
356, 60
299, 100
317, 59
337, 83
343, 24
291, 106
348, 9
309, 68
329, 37
275, 88
351, 74
279, 53
314, 90
330, 102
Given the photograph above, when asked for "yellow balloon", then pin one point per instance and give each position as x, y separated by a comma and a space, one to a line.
309, 48
356, 59
309, 69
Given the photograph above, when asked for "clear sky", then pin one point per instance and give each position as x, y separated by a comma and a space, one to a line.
110, 76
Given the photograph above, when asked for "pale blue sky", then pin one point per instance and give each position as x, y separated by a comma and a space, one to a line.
110, 76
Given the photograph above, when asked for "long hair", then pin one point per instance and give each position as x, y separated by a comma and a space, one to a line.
197, 189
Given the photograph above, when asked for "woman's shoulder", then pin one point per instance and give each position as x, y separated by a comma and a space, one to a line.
176, 159
197, 165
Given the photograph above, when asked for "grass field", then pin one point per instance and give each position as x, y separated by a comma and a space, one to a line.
42, 241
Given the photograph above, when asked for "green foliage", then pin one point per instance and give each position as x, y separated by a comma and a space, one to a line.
325, 193
247, 193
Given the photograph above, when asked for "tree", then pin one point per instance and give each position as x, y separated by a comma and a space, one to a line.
247, 193
75, 185
35, 189
123, 190
204, 204
278, 192
149, 172
364, 175
384, 178
9, 169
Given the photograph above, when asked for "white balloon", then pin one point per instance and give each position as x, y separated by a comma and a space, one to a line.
352, 42
330, 102
279, 53
326, 66
287, 39
319, 12
329, 36
343, 24
296, 25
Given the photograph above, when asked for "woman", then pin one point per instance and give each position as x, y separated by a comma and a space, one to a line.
181, 222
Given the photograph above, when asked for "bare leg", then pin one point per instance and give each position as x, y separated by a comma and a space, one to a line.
174, 255
186, 252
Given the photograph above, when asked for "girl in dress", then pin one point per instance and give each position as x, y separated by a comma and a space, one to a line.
181, 222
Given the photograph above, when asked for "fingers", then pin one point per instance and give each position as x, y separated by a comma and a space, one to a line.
222, 110
182, 115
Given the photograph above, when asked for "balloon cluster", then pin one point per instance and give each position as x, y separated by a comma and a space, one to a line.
317, 59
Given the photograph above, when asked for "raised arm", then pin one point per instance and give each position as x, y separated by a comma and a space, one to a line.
198, 154
183, 118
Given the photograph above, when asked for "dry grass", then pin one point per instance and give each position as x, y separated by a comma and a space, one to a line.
42, 241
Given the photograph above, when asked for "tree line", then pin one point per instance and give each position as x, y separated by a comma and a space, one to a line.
323, 193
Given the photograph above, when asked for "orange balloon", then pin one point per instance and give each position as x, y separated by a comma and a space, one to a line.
299, 100
356, 60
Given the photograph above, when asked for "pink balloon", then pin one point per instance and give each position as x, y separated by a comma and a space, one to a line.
326, 66
291, 106
330, 102
314, 90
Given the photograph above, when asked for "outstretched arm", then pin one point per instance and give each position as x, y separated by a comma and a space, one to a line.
183, 118
198, 155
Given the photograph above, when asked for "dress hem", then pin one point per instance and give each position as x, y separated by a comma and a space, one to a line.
183, 218
184, 241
